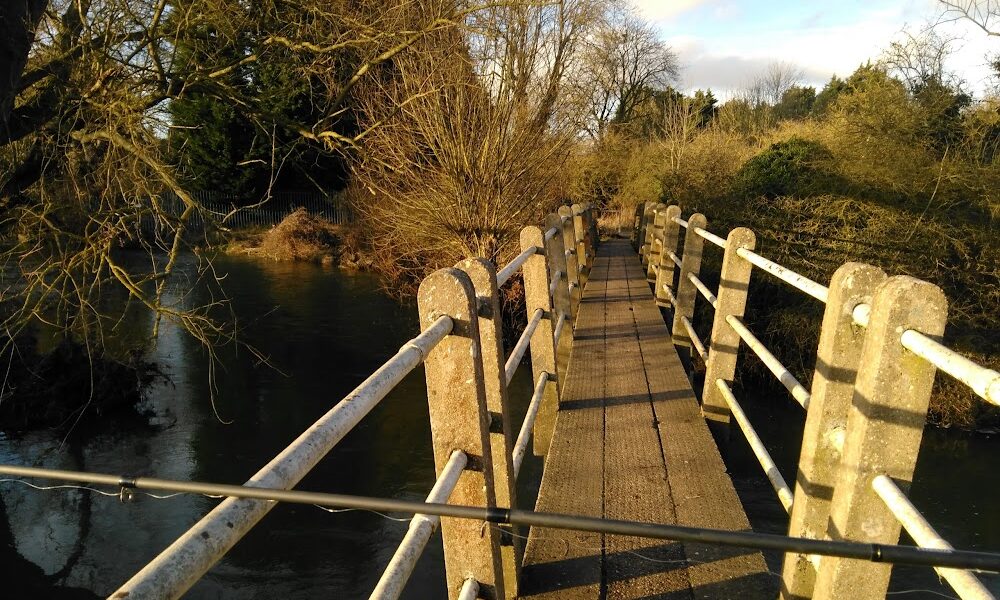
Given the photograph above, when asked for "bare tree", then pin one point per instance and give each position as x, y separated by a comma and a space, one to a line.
84, 86
624, 62
919, 59
767, 87
983, 13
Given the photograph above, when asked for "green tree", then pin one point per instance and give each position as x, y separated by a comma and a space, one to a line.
796, 103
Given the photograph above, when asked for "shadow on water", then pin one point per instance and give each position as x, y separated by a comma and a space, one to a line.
324, 332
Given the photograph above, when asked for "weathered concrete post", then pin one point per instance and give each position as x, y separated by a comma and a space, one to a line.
456, 395
484, 279
647, 230
572, 258
560, 297
583, 255
665, 274
884, 427
686, 291
637, 227
543, 351
840, 347
724, 342
656, 249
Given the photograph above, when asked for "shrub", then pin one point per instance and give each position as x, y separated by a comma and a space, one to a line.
797, 167
300, 236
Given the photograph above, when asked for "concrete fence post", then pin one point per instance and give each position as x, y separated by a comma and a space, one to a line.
724, 342
837, 357
656, 249
571, 257
637, 227
665, 274
484, 279
543, 352
687, 293
884, 426
583, 255
456, 396
561, 303
647, 230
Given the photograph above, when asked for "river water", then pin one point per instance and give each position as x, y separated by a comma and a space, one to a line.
324, 331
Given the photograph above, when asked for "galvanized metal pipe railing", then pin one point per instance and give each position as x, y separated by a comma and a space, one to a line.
673, 256
178, 567
798, 391
984, 382
708, 235
680, 222
770, 468
504, 274
559, 327
551, 233
524, 436
965, 583
707, 293
517, 354
816, 290
469, 591
397, 572
554, 285
670, 295
695, 340
885, 553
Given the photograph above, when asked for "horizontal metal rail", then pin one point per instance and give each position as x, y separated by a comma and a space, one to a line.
707, 293
983, 381
708, 235
524, 436
179, 566
680, 222
698, 344
799, 392
770, 469
507, 272
514, 360
673, 256
965, 583
801, 282
670, 295
551, 233
554, 285
560, 323
874, 552
397, 572
470, 590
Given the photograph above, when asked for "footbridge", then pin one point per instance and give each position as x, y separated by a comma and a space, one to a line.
634, 500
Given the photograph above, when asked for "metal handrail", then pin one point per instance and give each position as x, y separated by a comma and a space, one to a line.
798, 391
524, 436
801, 282
670, 295
965, 583
680, 222
983, 381
673, 256
179, 566
553, 286
559, 327
708, 235
770, 468
707, 293
397, 572
470, 590
508, 271
698, 345
517, 354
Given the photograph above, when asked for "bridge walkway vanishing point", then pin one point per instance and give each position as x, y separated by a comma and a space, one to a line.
630, 443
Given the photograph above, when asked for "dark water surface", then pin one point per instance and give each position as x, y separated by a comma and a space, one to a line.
324, 332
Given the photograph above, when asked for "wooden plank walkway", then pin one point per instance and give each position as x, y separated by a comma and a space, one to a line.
630, 443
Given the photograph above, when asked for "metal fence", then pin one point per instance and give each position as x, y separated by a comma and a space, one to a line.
237, 212
878, 352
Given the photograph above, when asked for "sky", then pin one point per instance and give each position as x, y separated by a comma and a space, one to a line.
722, 44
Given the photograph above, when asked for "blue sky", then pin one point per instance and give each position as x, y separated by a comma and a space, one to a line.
723, 43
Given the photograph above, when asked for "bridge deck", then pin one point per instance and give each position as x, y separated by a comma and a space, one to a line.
630, 443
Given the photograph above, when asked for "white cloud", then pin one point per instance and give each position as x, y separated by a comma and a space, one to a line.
661, 10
